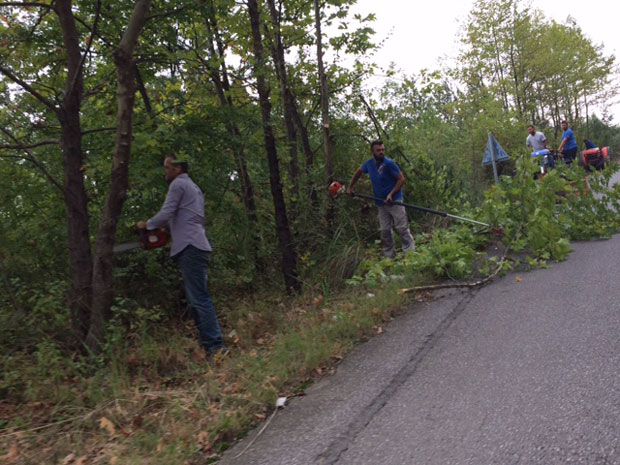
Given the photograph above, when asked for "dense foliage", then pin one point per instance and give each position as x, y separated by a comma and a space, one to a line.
94, 95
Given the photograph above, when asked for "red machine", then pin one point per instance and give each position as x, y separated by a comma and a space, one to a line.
149, 239
596, 157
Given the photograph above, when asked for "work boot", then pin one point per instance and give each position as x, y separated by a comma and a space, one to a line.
215, 356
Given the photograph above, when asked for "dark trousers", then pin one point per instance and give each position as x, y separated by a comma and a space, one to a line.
569, 155
193, 265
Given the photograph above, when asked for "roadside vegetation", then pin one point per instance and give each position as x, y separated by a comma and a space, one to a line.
98, 355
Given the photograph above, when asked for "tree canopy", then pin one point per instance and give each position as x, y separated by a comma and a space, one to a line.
95, 94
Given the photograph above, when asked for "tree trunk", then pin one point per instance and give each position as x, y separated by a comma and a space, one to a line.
119, 179
585, 100
289, 255
76, 201
327, 143
288, 101
222, 87
499, 69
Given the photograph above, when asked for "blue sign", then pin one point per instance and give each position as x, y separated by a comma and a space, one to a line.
500, 153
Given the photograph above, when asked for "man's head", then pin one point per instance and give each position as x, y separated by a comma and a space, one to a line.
531, 129
174, 168
564, 125
377, 149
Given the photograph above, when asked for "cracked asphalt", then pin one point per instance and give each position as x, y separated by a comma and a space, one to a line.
522, 371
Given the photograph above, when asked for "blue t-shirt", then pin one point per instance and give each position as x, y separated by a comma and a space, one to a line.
570, 143
589, 144
383, 178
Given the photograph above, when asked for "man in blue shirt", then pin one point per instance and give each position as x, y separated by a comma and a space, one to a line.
387, 181
568, 147
589, 144
183, 214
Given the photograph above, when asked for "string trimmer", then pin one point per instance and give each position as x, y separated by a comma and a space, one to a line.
336, 188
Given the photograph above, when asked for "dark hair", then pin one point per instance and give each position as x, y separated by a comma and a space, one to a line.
183, 164
375, 142
564, 122
531, 126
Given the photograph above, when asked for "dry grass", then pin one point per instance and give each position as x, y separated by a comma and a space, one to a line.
158, 402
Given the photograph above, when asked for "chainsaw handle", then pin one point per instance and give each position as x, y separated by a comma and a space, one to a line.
142, 234
153, 238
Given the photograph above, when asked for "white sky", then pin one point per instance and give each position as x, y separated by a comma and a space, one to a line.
418, 34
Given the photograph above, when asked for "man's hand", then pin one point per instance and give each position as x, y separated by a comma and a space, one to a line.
388, 199
350, 191
141, 225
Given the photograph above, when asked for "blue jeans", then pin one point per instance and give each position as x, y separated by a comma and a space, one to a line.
193, 265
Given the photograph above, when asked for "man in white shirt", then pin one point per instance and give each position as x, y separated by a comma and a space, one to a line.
535, 139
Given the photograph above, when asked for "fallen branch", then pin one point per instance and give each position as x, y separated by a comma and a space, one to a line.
454, 285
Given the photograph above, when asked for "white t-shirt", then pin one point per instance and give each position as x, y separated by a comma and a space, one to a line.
536, 141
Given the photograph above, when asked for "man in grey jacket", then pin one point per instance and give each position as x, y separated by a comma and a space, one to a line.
183, 214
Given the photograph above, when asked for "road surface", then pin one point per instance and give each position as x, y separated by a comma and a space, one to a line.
522, 371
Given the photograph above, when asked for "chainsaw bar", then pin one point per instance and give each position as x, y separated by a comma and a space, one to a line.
126, 247
151, 239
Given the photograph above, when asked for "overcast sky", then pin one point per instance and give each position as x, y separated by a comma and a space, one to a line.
419, 33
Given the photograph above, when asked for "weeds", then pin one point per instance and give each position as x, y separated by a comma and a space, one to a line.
539, 218
152, 399
156, 401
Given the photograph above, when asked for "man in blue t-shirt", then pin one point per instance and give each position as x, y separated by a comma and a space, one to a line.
568, 147
387, 181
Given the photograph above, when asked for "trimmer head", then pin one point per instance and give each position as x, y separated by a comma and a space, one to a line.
336, 188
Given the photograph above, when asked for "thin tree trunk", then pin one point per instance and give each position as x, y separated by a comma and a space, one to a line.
499, 69
585, 99
222, 86
289, 254
119, 179
324, 93
76, 201
286, 96
517, 85
294, 123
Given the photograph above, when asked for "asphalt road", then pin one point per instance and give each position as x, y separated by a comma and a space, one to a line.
522, 371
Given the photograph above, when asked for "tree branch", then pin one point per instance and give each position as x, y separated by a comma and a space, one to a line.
38, 23
453, 285
29, 146
93, 31
91, 131
32, 159
28, 88
134, 27
143, 92
99, 36
29, 4
165, 14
